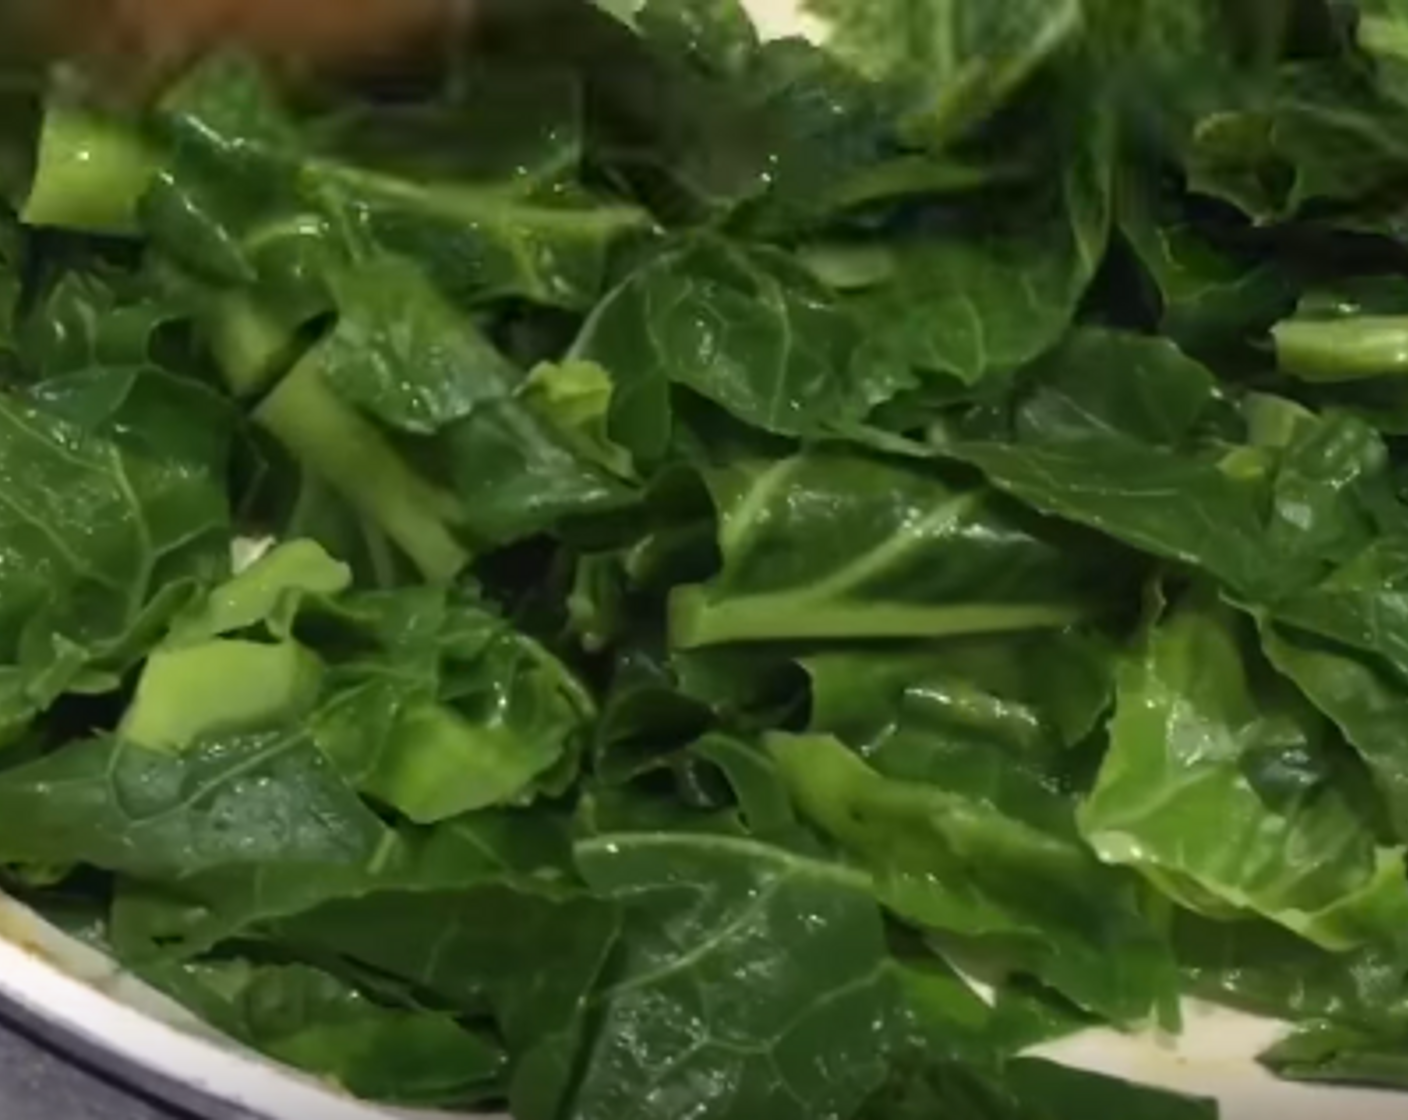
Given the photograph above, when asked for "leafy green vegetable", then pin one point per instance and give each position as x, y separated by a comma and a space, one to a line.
102, 543
1027, 1089
765, 970
1318, 132
157, 814
948, 1016
1379, 33
1102, 383
508, 471
1183, 793
892, 551
752, 332
1158, 503
983, 297
955, 61
487, 947
995, 719
1211, 292
1271, 972
152, 923
488, 717
1286, 509
270, 591
235, 178
1334, 1054
643, 565
719, 35
1359, 604
316, 1022
960, 864
1362, 698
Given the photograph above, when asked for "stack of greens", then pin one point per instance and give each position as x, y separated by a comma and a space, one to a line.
743, 536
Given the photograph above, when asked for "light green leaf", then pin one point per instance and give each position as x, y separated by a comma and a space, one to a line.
1185, 795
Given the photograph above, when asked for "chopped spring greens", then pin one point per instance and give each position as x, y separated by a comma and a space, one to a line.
751, 533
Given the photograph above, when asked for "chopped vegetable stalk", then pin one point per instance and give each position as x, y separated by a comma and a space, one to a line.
91, 175
348, 452
1348, 349
220, 688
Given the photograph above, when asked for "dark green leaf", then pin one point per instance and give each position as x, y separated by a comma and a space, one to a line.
1317, 131
994, 718
974, 297
1268, 971
1364, 699
103, 541
1210, 296
505, 471
202, 911
490, 718
957, 863
1361, 604
319, 1024
162, 815
1100, 383
241, 161
1337, 1055
715, 33
1173, 506
948, 1017
890, 551
957, 61
750, 982
489, 944
1025, 1090
748, 329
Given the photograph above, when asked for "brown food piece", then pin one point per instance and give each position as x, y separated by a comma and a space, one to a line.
143, 39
